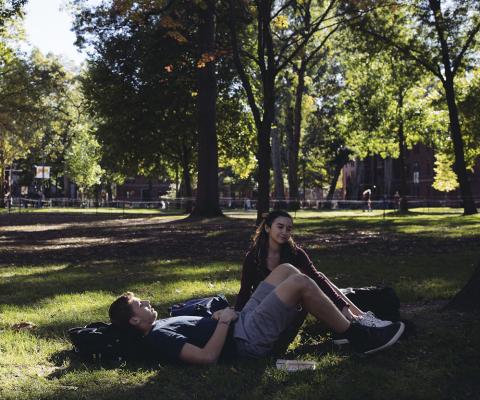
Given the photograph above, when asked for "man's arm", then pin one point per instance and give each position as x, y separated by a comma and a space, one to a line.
209, 354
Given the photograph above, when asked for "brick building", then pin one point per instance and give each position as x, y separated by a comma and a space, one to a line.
141, 188
384, 175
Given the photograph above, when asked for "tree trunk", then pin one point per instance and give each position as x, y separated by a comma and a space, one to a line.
387, 176
264, 149
297, 126
186, 183
455, 130
456, 135
340, 160
333, 185
177, 186
468, 298
263, 157
66, 186
277, 169
207, 202
2, 184
268, 71
403, 206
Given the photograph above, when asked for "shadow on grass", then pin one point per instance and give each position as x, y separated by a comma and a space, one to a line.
92, 238
228, 380
111, 238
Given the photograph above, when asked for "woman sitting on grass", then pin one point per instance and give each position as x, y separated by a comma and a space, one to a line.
273, 245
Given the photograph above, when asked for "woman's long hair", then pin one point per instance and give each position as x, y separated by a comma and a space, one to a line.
260, 239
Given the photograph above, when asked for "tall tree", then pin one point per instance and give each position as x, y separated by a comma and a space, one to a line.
207, 202
260, 60
161, 64
324, 143
386, 106
304, 14
27, 89
439, 37
140, 88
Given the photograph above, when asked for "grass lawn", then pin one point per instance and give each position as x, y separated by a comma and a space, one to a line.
63, 270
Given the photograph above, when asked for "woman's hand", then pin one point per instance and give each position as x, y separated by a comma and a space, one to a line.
348, 314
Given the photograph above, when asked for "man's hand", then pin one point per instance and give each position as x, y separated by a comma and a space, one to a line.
226, 315
211, 351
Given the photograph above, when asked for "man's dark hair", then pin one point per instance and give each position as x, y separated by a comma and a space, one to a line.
120, 310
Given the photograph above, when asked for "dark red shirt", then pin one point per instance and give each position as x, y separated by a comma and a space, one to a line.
253, 274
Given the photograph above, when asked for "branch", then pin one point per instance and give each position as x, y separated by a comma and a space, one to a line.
286, 5
405, 51
269, 43
304, 40
317, 49
260, 44
240, 68
250, 56
471, 37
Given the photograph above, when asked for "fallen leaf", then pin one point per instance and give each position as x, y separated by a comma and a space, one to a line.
24, 326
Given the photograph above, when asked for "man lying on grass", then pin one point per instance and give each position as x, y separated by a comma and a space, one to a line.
254, 331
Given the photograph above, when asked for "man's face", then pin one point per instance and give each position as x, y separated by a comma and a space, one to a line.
143, 312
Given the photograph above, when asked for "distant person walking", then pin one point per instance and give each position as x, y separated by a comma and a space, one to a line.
367, 197
396, 200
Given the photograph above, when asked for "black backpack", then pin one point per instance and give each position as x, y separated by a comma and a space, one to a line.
100, 341
202, 307
382, 301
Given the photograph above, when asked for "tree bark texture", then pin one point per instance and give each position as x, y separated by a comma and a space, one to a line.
207, 202
2, 184
186, 183
279, 187
333, 185
341, 160
294, 140
403, 206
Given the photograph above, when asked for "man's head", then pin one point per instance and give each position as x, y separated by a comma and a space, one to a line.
128, 311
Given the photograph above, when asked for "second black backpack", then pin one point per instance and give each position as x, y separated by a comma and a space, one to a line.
382, 301
202, 307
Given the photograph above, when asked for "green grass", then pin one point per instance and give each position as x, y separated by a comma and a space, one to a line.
60, 271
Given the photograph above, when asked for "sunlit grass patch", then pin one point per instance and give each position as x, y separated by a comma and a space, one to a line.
18, 271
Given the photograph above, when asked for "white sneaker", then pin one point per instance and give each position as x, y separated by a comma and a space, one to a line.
369, 319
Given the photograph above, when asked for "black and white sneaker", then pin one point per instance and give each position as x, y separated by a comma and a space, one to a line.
369, 340
369, 319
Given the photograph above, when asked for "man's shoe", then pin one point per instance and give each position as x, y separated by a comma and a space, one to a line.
369, 319
370, 340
